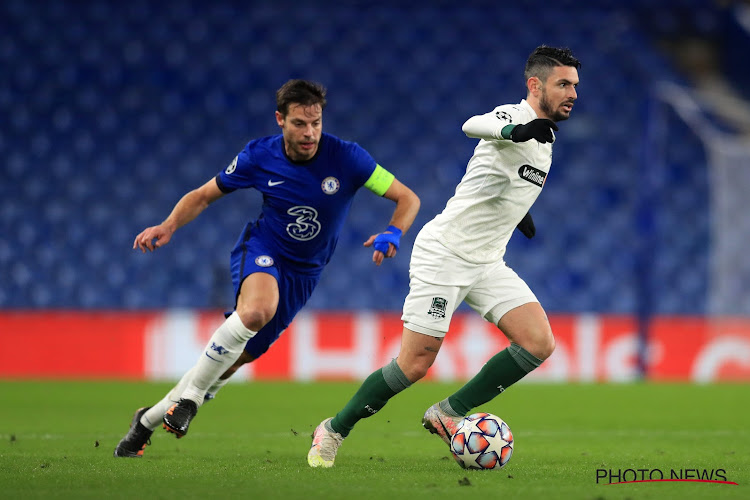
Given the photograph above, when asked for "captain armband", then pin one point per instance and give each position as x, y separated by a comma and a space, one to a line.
380, 181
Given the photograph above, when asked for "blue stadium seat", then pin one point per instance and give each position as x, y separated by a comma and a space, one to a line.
109, 117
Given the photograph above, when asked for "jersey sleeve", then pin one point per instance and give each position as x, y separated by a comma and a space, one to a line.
362, 164
238, 174
489, 126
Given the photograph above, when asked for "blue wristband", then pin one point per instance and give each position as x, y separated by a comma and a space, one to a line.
394, 230
383, 239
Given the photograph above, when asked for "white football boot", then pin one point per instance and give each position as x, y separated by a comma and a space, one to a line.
438, 422
325, 444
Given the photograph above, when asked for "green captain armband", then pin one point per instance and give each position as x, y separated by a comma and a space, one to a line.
380, 180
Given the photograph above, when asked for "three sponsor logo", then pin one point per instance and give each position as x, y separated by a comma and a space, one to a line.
306, 225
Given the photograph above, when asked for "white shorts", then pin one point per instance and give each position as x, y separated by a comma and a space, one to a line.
439, 281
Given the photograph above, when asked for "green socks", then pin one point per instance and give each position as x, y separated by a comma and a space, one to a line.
502, 370
371, 396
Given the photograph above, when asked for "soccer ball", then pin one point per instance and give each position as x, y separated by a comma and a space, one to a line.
482, 441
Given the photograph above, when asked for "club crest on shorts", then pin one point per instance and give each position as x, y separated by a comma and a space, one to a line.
263, 261
330, 185
437, 309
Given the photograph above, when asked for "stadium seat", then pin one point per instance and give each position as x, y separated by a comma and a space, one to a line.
109, 117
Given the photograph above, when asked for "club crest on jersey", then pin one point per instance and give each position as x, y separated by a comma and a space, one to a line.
330, 185
263, 261
232, 166
533, 175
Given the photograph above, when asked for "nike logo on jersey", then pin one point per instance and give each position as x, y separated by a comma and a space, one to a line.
274, 183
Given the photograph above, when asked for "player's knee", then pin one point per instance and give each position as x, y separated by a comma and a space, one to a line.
543, 345
415, 368
254, 318
415, 372
540, 344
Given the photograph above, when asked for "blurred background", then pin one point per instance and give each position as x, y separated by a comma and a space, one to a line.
110, 111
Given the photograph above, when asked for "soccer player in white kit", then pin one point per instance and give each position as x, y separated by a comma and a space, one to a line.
458, 256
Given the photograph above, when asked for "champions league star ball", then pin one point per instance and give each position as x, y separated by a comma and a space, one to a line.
483, 441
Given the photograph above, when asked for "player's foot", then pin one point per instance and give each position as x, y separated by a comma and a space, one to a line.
440, 423
325, 444
179, 415
135, 441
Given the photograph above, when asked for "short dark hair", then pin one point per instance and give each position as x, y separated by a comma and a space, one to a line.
543, 59
302, 92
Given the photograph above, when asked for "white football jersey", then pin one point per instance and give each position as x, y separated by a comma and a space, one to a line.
502, 181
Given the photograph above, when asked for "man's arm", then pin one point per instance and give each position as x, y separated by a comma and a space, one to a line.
407, 207
492, 126
526, 226
488, 126
187, 209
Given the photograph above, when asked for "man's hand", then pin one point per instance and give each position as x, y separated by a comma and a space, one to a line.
385, 244
145, 241
539, 129
526, 226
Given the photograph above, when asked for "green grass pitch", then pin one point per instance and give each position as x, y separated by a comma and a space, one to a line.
57, 438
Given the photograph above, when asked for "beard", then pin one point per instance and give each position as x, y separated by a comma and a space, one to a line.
554, 114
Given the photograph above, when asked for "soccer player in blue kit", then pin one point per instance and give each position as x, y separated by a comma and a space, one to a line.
308, 179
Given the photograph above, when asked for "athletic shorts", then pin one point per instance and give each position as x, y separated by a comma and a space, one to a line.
439, 281
295, 288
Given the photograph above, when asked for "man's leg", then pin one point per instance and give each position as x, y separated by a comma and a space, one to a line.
256, 305
146, 419
222, 381
133, 444
418, 352
152, 418
532, 342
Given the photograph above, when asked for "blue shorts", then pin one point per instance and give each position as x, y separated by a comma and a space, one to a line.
295, 288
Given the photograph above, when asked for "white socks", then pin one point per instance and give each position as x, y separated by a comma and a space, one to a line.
225, 346
211, 392
153, 417
222, 350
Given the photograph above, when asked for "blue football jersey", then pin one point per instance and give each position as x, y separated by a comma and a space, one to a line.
304, 203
